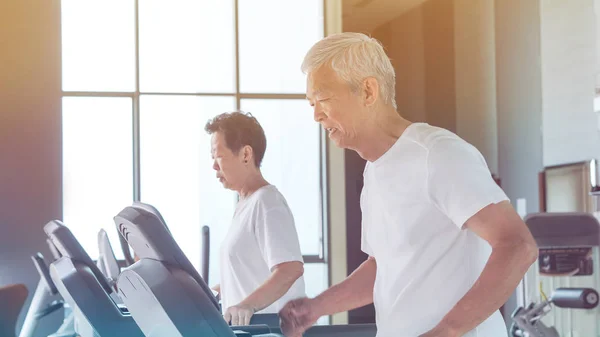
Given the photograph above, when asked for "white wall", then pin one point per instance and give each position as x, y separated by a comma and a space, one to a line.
569, 64
403, 40
475, 76
444, 56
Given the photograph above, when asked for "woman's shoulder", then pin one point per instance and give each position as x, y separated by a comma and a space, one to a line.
269, 197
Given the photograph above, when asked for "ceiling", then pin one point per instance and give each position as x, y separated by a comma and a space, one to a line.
365, 15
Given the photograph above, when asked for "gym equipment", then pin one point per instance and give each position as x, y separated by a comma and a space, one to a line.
167, 297
41, 305
164, 293
83, 286
107, 262
568, 263
527, 321
205, 253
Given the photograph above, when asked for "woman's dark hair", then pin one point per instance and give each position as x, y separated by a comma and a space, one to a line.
240, 129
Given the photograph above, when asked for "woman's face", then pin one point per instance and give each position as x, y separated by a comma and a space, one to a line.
229, 166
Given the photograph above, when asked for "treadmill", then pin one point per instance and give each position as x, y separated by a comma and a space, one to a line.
167, 297
87, 291
42, 304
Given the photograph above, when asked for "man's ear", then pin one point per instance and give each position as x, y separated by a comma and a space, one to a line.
370, 91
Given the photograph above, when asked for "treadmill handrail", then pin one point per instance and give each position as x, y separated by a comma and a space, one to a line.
68, 246
109, 263
144, 229
205, 253
42, 268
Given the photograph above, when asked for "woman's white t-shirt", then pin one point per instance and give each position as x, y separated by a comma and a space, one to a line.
262, 235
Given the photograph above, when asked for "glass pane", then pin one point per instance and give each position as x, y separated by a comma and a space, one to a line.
97, 167
176, 171
98, 45
274, 36
316, 279
187, 46
292, 161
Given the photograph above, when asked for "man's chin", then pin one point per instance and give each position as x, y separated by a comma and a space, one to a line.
339, 142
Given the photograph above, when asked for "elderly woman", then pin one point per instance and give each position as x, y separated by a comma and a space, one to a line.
261, 264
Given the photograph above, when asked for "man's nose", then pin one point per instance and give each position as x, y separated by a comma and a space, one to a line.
318, 114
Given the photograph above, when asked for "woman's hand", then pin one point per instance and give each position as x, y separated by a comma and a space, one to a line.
239, 314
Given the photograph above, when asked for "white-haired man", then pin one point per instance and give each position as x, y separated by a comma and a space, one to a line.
446, 249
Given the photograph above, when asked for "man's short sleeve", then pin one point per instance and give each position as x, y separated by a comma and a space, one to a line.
277, 237
459, 182
364, 245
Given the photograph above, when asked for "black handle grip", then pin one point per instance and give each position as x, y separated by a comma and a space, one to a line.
575, 298
205, 252
258, 329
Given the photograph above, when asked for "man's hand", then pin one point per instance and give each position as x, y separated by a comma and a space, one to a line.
354, 292
239, 314
297, 316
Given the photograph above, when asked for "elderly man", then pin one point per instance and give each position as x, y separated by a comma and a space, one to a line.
446, 249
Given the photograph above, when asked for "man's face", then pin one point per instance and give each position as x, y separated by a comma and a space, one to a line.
227, 164
336, 107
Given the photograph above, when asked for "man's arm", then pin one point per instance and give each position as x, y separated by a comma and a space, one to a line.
354, 292
279, 282
513, 252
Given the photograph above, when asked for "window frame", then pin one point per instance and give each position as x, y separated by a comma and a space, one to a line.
322, 256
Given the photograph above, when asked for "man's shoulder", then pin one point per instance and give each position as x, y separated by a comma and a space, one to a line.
434, 138
443, 146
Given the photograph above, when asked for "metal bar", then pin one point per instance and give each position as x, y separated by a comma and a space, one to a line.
137, 194
238, 95
137, 92
312, 259
272, 96
187, 94
97, 94
238, 98
136, 111
323, 181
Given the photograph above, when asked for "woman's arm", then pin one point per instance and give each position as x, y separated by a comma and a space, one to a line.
279, 282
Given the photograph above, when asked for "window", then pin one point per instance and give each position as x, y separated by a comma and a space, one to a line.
176, 170
138, 92
286, 122
177, 54
97, 166
274, 35
97, 56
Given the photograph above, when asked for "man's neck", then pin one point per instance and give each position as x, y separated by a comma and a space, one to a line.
381, 133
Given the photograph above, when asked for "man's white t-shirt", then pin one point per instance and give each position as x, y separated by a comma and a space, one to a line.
415, 201
262, 235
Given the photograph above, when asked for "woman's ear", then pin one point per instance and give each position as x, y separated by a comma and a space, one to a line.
247, 154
